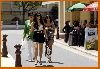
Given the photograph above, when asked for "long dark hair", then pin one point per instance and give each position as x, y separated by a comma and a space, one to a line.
45, 20
35, 20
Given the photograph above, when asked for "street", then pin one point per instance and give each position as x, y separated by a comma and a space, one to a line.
61, 57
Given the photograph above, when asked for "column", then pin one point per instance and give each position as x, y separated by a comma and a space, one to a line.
61, 15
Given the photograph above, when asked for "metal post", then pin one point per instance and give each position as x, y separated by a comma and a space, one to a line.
18, 56
4, 49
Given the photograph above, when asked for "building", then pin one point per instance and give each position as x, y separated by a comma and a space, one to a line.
73, 16
10, 12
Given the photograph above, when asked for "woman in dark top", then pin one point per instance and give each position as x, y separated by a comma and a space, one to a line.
81, 35
66, 30
49, 32
38, 36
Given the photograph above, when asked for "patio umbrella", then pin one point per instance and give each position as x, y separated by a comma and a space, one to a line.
76, 7
91, 7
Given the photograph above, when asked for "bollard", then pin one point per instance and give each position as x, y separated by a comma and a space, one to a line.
4, 49
57, 36
18, 56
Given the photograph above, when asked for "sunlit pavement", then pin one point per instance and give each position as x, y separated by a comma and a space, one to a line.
62, 56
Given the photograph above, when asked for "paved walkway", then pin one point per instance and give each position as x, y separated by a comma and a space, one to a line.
82, 49
7, 61
10, 62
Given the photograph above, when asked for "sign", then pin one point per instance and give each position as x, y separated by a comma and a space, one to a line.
91, 38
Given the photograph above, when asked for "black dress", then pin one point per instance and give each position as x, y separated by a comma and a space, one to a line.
39, 35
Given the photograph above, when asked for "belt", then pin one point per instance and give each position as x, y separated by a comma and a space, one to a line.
39, 31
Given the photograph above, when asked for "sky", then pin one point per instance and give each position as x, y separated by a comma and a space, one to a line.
48, 2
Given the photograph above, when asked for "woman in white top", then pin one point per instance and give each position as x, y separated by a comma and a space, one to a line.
38, 36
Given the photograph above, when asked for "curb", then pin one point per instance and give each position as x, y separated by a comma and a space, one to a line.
76, 48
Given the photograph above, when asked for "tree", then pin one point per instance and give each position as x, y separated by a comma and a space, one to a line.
54, 12
27, 6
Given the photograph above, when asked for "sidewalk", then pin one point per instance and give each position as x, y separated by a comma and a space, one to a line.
7, 61
10, 62
81, 49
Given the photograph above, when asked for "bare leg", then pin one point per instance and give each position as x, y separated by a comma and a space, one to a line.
40, 51
33, 52
50, 47
36, 51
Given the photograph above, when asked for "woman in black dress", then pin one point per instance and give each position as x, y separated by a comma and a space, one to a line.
38, 36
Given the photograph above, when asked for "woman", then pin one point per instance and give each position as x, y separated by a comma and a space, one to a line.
81, 35
28, 35
49, 34
38, 36
66, 30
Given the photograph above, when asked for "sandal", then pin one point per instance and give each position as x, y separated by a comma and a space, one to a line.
40, 62
36, 62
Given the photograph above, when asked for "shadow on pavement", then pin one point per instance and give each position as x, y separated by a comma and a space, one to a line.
5, 57
53, 62
45, 66
38, 61
57, 62
30, 61
43, 61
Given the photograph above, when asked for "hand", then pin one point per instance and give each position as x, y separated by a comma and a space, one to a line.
49, 46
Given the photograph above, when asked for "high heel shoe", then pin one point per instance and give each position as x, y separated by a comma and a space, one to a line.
40, 62
36, 62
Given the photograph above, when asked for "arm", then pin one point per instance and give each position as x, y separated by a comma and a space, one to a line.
45, 31
53, 26
45, 34
31, 31
32, 28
